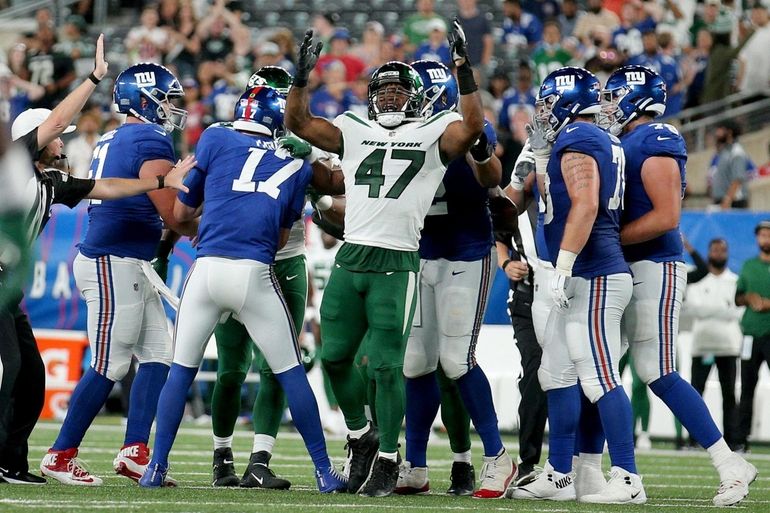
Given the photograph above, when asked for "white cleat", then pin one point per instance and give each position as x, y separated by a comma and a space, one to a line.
589, 479
496, 474
412, 480
643, 442
549, 485
67, 469
622, 488
735, 479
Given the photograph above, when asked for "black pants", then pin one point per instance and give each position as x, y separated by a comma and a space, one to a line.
727, 371
760, 352
533, 408
22, 392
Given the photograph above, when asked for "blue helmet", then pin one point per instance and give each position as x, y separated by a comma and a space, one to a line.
260, 109
439, 85
145, 90
565, 94
631, 91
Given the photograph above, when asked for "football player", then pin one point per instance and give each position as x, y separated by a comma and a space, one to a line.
125, 314
656, 156
456, 266
580, 179
393, 163
243, 176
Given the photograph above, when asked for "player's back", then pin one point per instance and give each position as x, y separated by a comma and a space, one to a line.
458, 226
391, 176
602, 254
645, 141
127, 227
251, 192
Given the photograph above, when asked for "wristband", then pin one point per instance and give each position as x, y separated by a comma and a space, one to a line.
324, 203
161, 181
541, 165
565, 261
508, 261
299, 81
482, 162
93, 78
465, 81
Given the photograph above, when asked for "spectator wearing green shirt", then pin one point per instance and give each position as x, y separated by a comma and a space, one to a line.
416, 26
550, 55
753, 291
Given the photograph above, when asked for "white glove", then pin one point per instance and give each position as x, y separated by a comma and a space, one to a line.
559, 282
541, 147
525, 164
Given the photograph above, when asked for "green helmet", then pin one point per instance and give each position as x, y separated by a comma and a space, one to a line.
390, 115
273, 76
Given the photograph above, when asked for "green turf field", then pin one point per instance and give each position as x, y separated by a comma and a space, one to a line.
675, 482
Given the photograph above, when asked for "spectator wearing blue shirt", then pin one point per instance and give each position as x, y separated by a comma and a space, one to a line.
521, 29
634, 21
436, 48
333, 97
666, 65
518, 97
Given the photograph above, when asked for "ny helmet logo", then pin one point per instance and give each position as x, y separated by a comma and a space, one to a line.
635, 78
437, 75
565, 82
145, 78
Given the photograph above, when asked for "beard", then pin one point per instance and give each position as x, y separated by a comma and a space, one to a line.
765, 248
720, 263
721, 140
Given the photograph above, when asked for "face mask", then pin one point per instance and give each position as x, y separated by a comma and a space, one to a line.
718, 263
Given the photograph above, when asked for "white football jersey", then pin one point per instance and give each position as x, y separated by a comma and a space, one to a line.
295, 246
391, 177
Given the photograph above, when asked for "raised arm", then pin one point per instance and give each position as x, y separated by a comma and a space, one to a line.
459, 136
317, 131
63, 114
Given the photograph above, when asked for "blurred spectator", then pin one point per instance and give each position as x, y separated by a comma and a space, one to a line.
54, 71
269, 54
72, 43
339, 50
665, 64
596, 16
333, 97
16, 93
677, 17
394, 49
698, 62
183, 44
570, 14
479, 32
416, 26
754, 59
521, 29
729, 176
360, 99
753, 291
716, 332
284, 38
222, 33
324, 25
550, 55
520, 98
197, 115
369, 50
80, 149
634, 21
436, 48
147, 42
719, 79
498, 84
764, 170
168, 12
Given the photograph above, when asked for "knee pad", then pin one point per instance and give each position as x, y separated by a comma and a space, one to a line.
231, 378
661, 385
453, 367
115, 371
593, 390
648, 369
388, 377
334, 366
550, 382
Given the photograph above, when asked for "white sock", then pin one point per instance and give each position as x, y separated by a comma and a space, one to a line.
368, 412
462, 457
392, 456
720, 453
358, 433
590, 460
220, 442
263, 443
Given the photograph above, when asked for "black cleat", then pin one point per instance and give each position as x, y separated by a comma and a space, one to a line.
383, 479
525, 474
259, 475
362, 452
223, 469
462, 479
21, 477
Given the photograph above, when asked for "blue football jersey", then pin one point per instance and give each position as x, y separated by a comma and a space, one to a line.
127, 227
602, 254
251, 191
458, 226
641, 143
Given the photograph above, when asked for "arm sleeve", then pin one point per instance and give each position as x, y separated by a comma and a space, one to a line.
701, 268
68, 190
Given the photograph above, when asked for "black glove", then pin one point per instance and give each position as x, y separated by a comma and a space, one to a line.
483, 149
458, 44
307, 57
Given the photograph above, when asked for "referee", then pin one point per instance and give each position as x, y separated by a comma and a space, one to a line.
22, 389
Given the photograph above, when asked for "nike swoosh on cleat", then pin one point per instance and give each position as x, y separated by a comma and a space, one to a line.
227, 462
635, 495
259, 479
